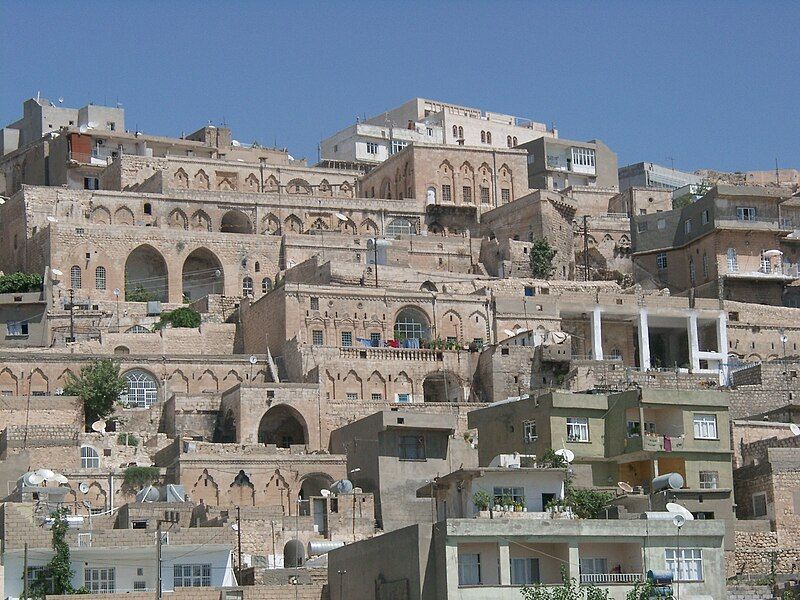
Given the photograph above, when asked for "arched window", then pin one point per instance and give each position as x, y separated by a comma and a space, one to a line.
514, 141
400, 227
258, 266
266, 285
615, 354
90, 459
100, 278
488, 137
733, 261
75, 277
247, 287
455, 131
508, 141
411, 323
483, 137
142, 390
138, 329
461, 132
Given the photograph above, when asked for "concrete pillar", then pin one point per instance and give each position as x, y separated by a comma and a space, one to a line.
722, 346
574, 561
505, 563
451, 568
644, 341
597, 334
694, 342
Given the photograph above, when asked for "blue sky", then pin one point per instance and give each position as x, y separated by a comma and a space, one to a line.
709, 84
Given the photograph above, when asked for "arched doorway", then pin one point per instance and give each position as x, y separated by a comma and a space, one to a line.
411, 323
311, 486
442, 386
146, 275
202, 275
235, 221
283, 426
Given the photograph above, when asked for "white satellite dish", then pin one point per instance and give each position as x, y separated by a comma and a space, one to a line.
84, 487
117, 291
625, 487
253, 360
771, 253
33, 479
235, 526
62, 479
795, 429
99, 426
680, 511
509, 332
568, 455
83, 129
57, 272
46, 474
324, 493
784, 338
61, 99
91, 124
52, 219
341, 217
679, 520
59, 391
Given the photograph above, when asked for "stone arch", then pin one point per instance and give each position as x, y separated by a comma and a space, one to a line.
445, 177
63, 379
100, 216
231, 379
205, 490
177, 220
352, 384
201, 181
412, 322
368, 227
477, 321
283, 426
319, 224
208, 382
271, 184
403, 386
293, 224
235, 221
146, 270
311, 485
242, 492
324, 188
270, 225
298, 186
506, 180
428, 286
123, 216
201, 221
252, 183
178, 382
181, 178
442, 386
450, 325
436, 228
143, 389
38, 382
225, 432
277, 492
122, 350
96, 496
386, 188
467, 180
346, 190
376, 384
202, 274
9, 382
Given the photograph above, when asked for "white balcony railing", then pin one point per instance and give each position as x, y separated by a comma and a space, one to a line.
603, 578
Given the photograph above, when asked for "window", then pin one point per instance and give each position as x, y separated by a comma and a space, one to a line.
505, 195
615, 354
467, 193
16, 328
429, 131
687, 226
469, 568
376, 397
37, 573
478, 342
661, 261
100, 278
709, 480
351, 396
514, 141
142, 390
455, 131
85, 539
317, 338
412, 447
704, 218
759, 504
91, 183
733, 261
148, 208
634, 428
529, 432
705, 427
400, 227
266, 285
524, 571
403, 398
488, 137
347, 339
75, 277
460, 132
594, 566
372, 148
192, 575
686, 564
314, 303
247, 287
745, 213
375, 339
398, 145
577, 429
483, 137
447, 194
139, 586
515, 495
692, 271
90, 459
99, 581
484, 195
110, 125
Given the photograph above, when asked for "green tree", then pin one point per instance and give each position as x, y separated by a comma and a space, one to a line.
185, 316
19, 283
135, 478
99, 387
138, 294
587, 503
58, 570
551, 460
542, 255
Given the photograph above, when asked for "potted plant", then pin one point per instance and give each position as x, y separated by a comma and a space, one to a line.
506, 502
481, 499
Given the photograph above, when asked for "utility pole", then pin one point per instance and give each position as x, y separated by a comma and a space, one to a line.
375, 253
341, 573
25, 572
777, 173
71, 315
170, 517
261, 161
586, 247
239, 541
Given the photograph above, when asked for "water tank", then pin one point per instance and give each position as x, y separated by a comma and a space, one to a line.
342, 486
317, 547
148, 494
668, 481
293, 554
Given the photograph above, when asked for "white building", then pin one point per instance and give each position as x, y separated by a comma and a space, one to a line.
430, 121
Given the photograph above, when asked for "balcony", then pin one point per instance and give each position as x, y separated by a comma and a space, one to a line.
611, 578
653, 442
390, 354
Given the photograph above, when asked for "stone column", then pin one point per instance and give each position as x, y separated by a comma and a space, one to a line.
722, 346
574, 561
644, 341
505, 562
597, 334
694, 343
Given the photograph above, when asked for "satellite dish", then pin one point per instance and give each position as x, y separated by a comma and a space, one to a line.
52, 219
32, 479
87, 504
509, 332
59, 391
57, 272
83, 129
784, 338
679, 520
625, 487
235, 526
46, 474
568, 455
61, 479
91, 124
795, 429
341, 217
84, 487
61, 99
679, 511
324, 493
117, 291
99, 426
253, 360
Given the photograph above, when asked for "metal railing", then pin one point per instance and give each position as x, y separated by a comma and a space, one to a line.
611, 577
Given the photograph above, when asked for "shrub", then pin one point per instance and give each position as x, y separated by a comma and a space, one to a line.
481, 499
19, 283
127, 439
551, 460
99, 387
184, 316
542, 255
138, 294
137, 477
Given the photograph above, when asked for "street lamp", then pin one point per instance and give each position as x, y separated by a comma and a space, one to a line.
342, 573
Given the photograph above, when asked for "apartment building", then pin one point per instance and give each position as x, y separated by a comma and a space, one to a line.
652, 175
557, 164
